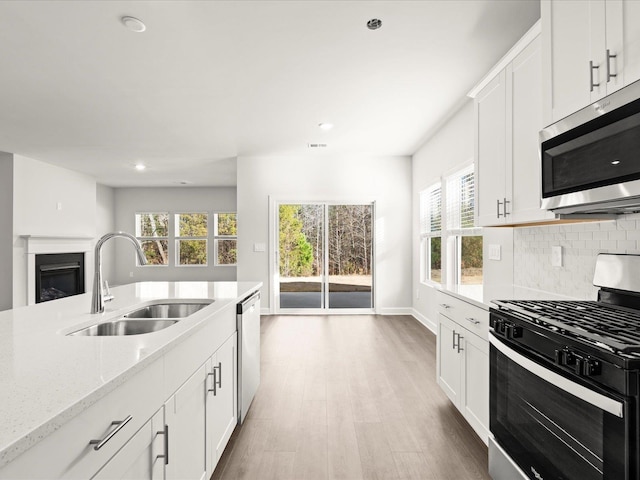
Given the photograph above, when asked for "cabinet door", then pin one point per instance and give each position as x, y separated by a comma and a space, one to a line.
628, 66
490, 121
475, 398
524, 75
142, 457
572, 30
222, 401
449, 359
185, 418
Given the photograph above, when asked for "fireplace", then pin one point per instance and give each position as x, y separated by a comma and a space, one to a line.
58, 275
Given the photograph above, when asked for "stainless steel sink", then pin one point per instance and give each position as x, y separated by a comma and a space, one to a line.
147, 319
125, 327
167, 310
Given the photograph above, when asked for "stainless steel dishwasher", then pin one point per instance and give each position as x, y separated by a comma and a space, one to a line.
248, 318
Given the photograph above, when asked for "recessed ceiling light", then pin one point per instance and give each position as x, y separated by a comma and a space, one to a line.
133, 24
374, 24
140, 166
325, 126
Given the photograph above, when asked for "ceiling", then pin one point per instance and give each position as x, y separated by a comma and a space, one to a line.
209, 81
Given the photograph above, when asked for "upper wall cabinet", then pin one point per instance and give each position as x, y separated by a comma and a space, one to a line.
591, 49
508, 117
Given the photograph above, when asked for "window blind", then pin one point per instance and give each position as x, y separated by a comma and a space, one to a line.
460, 205
431, 211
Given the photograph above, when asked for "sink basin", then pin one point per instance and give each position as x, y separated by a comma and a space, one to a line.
167, 310
125, 327
147, 319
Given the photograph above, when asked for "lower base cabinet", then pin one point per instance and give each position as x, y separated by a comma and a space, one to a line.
463, 361
143, 456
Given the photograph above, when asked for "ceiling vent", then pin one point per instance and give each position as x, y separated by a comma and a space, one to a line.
316, 145
374, 24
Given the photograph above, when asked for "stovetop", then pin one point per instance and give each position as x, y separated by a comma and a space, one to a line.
609, 327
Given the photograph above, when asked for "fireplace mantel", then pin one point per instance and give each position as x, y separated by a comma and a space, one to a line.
36, 244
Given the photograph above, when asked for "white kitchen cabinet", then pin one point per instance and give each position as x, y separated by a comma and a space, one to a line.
222, 400
463, 360
508, 117
185, 418
591, 49
143, 457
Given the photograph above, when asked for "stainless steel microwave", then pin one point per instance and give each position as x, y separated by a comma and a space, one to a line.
591, 159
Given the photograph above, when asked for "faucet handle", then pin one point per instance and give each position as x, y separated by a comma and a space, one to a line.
106, 295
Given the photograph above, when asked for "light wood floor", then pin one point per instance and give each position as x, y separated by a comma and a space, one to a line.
351, 397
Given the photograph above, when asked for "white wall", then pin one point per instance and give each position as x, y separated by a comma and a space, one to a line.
106, 223
450, 147
385, 180
129, 201
6, 230
38, 190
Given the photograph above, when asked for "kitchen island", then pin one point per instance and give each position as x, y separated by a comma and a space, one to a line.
49, 379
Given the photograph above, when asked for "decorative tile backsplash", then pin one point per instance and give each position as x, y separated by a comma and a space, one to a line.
580, 243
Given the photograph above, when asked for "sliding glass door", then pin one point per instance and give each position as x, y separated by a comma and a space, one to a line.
324, 256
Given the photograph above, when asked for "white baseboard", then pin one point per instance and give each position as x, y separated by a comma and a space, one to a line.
395, 311
425, 321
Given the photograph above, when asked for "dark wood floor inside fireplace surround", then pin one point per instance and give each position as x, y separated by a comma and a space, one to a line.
351, 397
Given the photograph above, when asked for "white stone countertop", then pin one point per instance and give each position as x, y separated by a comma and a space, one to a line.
47, 377
482, 295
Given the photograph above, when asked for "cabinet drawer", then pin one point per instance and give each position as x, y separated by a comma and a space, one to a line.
67, 453
471, 317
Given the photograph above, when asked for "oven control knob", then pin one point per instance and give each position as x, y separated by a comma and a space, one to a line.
565, 357
587, 367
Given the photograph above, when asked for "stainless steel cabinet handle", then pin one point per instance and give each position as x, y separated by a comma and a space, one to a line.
219, 367
505, 207
454, 340
460, 337
444, 305
119, 424
472, 320
165, 432
215, 381
457, 345
498, 203
592, 67
609, 74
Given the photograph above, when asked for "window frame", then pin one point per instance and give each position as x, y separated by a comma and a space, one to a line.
217, 238
143, 239
456, 215
429, 230
177, 238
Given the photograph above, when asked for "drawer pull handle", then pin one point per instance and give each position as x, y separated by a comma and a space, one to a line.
472, 320
214, 383
219, 367
119, 424
165, 432
444, 305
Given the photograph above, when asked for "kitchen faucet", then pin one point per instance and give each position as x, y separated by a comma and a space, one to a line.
98, 298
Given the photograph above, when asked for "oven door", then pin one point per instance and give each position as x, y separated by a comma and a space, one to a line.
552, 427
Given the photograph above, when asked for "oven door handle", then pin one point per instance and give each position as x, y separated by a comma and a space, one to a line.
596, 399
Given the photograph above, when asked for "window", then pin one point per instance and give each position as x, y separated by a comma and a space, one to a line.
191, 239
464, 237
225, 238
152, 230
431, 233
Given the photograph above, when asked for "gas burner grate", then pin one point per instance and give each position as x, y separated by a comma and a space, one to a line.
610, 326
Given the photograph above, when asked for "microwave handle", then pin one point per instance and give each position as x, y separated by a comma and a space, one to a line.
596, 399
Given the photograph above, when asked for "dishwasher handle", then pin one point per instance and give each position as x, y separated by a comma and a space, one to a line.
247, 303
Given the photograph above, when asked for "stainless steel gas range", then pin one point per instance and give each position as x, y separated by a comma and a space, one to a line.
564, 382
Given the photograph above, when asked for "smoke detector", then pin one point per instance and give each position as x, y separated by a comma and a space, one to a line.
133, 24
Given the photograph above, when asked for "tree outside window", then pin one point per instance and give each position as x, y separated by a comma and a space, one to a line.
226, 238
191, 238
152, 230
